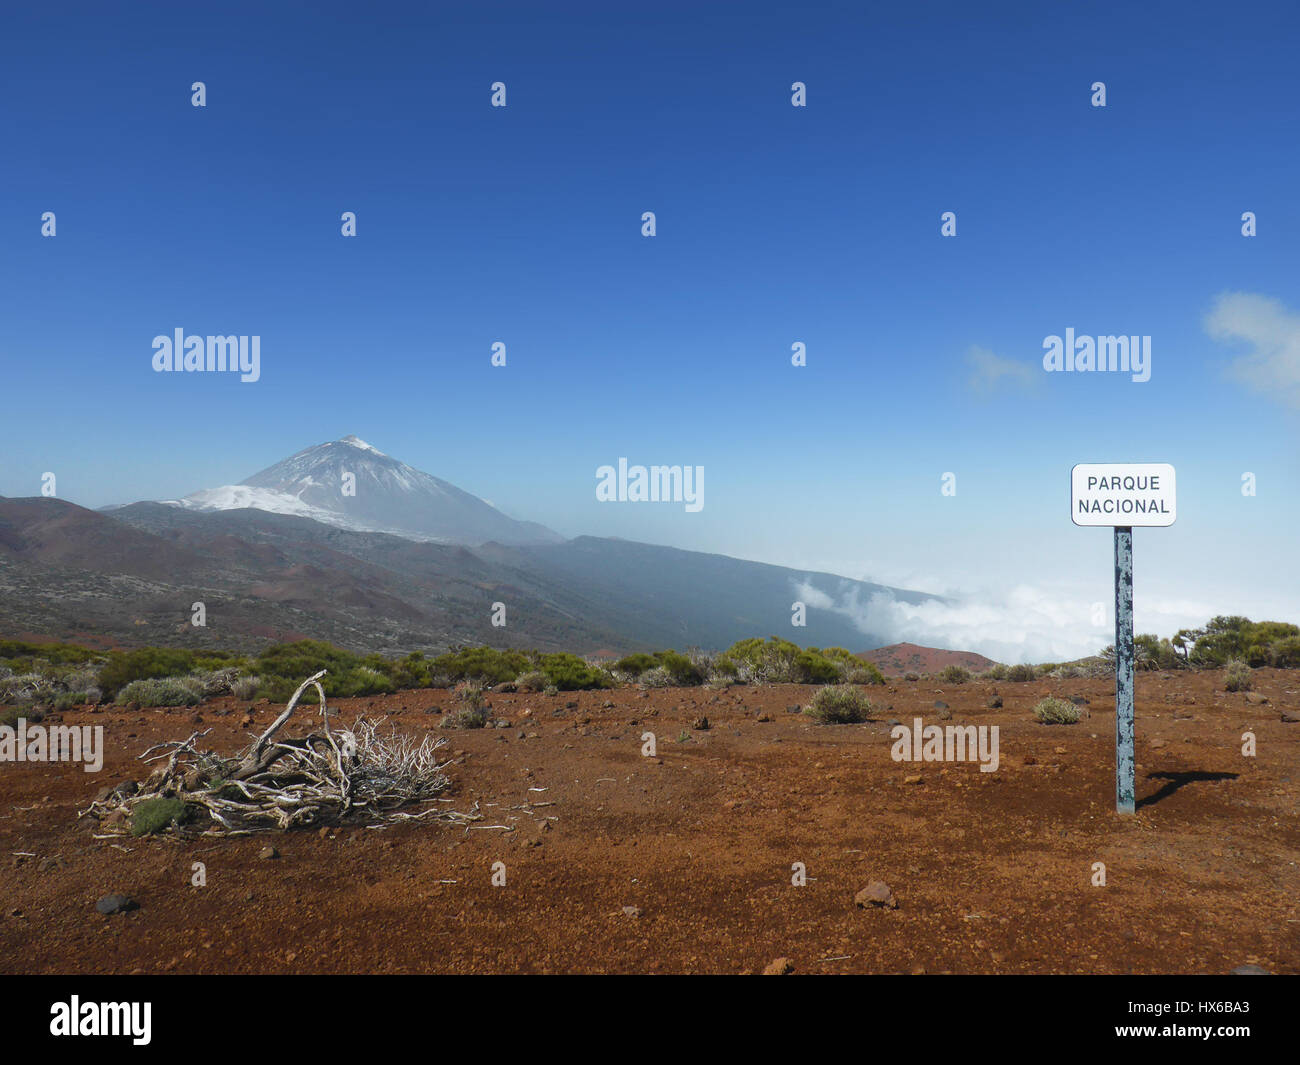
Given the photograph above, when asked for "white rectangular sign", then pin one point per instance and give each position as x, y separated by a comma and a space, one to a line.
1123, 493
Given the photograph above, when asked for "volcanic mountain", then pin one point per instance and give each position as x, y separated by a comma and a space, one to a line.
353, 485
343, 543
900, 658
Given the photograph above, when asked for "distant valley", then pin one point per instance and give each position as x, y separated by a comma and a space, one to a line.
129, 575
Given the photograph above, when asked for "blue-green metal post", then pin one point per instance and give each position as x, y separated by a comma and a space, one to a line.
1124, 791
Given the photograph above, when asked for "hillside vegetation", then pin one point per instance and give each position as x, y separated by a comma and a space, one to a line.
37, 678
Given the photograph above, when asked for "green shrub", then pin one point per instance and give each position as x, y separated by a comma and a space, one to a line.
1226, 638
532, 681
284, 666
656, 678
954, 674
154, 815
723, 665
245, 688
868, 673
778, 661
812, 667
852, 668
163, 691
1021, 672
1285, 653
682, 670
486, 665
151, 663
770, 661
997, 671
23, 656
636, 664
1151, 652
472, 712
838, 704
413, 671
570, 673
69, 700
1054, 711
1237, 676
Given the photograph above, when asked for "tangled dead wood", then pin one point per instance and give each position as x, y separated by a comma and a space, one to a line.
326, 777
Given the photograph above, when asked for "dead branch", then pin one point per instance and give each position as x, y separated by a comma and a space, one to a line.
327, 777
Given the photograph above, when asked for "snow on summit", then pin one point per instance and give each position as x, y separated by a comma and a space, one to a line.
353, 484
356, 441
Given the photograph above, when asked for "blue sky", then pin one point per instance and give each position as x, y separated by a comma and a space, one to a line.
776, 224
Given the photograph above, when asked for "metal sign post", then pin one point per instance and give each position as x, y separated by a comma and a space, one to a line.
1124, 757
1136, 494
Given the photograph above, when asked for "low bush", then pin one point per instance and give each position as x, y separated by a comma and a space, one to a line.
162, 691
1284, 653
570, 673
681, 669
153, 663
635, 664
471, 712
1021, 673
154, 815
532, 681
486, 665
838, 704
778, 661
1237, 676
656, 678
954, 674
1054, 711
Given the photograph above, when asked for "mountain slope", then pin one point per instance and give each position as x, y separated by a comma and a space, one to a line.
67, 571
351, 484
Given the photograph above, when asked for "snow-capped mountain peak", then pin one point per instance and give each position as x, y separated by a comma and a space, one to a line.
353, 484
357, 442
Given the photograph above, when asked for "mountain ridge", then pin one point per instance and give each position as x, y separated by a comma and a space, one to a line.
133, 575
351, 483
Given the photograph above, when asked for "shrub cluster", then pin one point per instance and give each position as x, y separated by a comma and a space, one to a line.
1054, 711
838, 704
778, 661
1237, 677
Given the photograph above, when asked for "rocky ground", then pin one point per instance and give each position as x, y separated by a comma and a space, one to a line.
684, 861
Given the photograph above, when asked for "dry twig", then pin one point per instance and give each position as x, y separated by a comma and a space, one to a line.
326, 777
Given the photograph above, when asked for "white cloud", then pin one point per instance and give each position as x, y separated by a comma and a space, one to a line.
1021, 623
988, 371
1272, 365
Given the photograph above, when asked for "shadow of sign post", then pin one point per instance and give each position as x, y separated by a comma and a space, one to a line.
1123, 495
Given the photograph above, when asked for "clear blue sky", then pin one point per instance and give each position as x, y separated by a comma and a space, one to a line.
776, 224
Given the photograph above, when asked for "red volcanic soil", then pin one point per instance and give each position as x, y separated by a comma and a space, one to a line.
900, 658
992, 872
